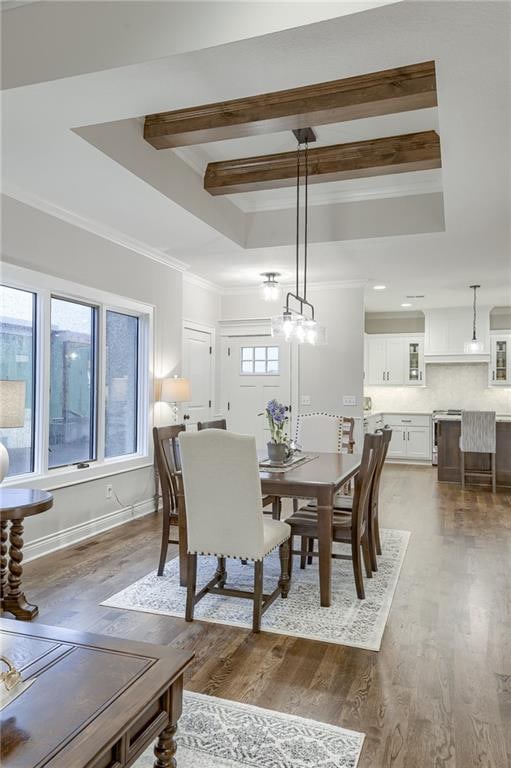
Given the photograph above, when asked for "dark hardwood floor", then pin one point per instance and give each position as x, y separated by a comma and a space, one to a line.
437, 695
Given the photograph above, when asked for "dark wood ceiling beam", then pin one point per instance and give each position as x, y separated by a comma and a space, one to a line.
376, 157
377, 93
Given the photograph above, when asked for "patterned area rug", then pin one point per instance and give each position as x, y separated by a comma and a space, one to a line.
349, 621
215, 733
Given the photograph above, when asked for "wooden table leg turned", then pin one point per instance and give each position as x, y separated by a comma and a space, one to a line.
14, 600
165, 748
3, 559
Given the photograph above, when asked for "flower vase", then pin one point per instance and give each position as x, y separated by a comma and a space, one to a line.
278, 452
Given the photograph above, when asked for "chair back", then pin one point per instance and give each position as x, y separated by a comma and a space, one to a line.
224, 513
364, 479
375, 487
347, 429
168, 462
478, 432
320, 432
218, 424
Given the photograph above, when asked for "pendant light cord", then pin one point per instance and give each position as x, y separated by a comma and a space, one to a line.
297, 214
306, 220
474, 338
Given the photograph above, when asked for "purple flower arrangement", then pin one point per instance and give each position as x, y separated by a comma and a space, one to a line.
277, 415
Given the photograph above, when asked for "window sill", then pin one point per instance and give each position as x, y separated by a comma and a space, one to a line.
65, 477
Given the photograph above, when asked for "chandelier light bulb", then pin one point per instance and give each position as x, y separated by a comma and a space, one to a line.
270, 288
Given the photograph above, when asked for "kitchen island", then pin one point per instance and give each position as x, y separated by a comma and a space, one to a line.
448, 437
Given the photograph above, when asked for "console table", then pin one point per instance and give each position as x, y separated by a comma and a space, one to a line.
15, 505
96, 702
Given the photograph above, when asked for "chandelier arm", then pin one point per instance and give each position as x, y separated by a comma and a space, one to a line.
301, 300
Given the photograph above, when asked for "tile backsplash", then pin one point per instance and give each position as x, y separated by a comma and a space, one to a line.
447, 386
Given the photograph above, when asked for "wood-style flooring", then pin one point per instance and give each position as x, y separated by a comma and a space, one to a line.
437, 695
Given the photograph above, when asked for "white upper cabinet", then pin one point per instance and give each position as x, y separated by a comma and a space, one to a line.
394, 360
448, 330
500, 359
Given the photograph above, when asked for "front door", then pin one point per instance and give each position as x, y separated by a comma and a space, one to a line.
258, 369
198, 368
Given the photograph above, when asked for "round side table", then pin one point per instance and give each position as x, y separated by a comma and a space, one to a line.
15, 505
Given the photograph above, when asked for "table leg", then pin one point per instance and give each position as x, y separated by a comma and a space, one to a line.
3, 559
14, 600
325, 514
165, 749
276, 507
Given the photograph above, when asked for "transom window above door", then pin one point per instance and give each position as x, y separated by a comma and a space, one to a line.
259, 361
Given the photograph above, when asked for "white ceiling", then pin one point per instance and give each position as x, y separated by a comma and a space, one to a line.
46, 163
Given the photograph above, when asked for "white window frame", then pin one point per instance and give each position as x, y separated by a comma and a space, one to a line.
45, 287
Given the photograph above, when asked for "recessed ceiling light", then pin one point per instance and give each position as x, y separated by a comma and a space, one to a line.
406, 304
379, 287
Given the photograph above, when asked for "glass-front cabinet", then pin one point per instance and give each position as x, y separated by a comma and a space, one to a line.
500, 365
414, 362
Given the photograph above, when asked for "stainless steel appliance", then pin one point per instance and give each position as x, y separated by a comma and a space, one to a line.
434, 428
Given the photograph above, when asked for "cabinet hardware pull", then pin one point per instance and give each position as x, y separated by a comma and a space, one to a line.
420, 375
406, 421
404, 438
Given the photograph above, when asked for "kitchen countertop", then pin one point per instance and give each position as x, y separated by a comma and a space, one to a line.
454, 417
437, 417
367, 414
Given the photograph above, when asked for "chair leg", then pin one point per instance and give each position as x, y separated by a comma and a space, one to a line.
367, 556
192, 583
493, 473
357, 569
284, 555
295, 506
376, 531
462, 469
303, 547
221, 571
310, 548
258, 596
290, 561
372, 543
165, 533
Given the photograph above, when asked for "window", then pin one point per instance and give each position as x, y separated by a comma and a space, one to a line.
259, 361
85, 356
121, 384
17, 362
72, 436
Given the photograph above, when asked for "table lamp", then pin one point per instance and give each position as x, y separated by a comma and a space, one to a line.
12, 415
175, 390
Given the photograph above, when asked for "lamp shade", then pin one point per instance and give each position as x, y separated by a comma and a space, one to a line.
175, 390
12, 404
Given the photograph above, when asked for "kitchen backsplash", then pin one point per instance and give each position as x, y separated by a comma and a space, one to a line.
447, 386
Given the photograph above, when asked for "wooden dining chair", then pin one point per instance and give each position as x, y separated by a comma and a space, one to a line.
224, 516
347, 527
217, 424
344, 504
168, 465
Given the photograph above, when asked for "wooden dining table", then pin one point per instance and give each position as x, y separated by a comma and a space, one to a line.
318, 477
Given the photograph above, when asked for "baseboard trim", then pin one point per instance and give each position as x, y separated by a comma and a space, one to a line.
61, 539
416, 462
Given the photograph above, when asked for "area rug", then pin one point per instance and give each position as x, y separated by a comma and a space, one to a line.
349, 621
215, 733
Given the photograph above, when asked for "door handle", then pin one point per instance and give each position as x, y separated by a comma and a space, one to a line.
383, 375
186, 416
420, 375
404, 438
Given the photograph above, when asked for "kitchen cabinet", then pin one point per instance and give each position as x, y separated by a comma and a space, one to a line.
411, 436
500, 360
448, 330
394, 360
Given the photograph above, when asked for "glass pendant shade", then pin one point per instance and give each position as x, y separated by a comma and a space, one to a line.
270, 288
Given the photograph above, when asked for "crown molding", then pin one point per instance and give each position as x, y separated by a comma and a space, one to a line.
95, 227
247, 290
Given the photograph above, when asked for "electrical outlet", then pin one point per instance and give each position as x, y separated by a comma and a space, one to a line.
305, 400
349, 400
109, 491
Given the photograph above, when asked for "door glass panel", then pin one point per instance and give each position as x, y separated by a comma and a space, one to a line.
260, 361
413, 362
273, 353
501, 361
260, 353
247, 353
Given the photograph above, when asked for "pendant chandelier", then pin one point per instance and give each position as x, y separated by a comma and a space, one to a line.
474, 347
270, 287
297, 321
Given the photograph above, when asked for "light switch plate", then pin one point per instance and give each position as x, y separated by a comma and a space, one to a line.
349, 400
305, 400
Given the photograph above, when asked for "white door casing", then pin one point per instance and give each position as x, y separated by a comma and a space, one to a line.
198, 348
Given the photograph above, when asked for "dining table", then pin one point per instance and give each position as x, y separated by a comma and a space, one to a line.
318, 476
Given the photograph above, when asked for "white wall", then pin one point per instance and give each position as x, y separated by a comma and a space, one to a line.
326, 373
448, 386
35, 240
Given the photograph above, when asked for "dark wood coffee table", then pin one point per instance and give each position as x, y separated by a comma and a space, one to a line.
97, 702
15, 505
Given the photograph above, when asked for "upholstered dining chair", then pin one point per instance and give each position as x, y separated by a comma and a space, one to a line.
478, 435
347, 527
224, 516
168, 465
216, 424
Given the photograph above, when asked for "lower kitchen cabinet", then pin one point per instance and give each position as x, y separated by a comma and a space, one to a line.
411, 437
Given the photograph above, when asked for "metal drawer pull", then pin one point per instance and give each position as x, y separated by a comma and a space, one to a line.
406, 421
